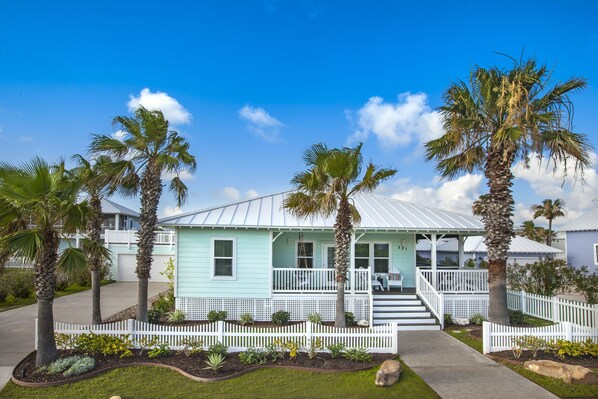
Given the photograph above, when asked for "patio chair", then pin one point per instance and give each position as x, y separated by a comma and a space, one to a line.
395, 279
376, 284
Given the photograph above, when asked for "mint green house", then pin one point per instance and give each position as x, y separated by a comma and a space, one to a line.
254, 256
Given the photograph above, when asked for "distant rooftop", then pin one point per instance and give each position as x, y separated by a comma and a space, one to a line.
519, 245
586, 222
377, 214
111, 207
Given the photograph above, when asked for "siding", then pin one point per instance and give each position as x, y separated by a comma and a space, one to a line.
253, 269
121, 249
580, 249
285, 247
403, 259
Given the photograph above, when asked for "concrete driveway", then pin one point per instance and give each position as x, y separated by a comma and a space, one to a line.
17, 325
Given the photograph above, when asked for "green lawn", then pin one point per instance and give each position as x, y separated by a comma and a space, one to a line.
158, 383
556, 386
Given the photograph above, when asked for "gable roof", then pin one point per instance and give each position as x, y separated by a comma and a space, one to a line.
519, 245
111, 207
377, 214
586, 222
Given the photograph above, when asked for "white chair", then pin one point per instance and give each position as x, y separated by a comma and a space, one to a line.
376, 284
395, 278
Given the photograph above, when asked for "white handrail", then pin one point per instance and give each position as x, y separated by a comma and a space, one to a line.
287, 279
432, 298
130, 237
371, 296
459, 281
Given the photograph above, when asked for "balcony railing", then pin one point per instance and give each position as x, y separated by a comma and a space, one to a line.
458, 281
130, 237
318, 280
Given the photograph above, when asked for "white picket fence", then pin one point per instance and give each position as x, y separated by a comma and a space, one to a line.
554, 308
497, 337
378, 339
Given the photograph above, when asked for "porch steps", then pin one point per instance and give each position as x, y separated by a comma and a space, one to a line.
407, 310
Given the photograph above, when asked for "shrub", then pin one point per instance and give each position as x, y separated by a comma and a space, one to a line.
60, 365
530, 343
4, 289
178, 316
281, 317
293, 348
336, 350
470, 263
22, 283
245, 319
253, 356
515, 317
161, 350
477, 319
316, 345
192, 347
154, 316
358, 355
215, 362
565, 349
448, 319
95, 344
349, 318
163, 304
217, 315
83, 365
275, 350
315, 318
219, 349
586, 284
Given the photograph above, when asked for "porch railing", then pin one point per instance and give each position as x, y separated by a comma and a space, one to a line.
432, 298
458, 281
130, 237
286, 279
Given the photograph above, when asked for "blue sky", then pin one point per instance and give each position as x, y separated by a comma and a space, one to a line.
252, 84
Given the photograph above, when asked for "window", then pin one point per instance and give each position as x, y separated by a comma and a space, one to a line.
381, 258
596, 254
223, 255
376, 254
305, 255
362, 256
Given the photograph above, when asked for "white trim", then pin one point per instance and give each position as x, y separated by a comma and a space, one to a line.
271, 259
313, 255
212, 259
326, 244
176, 262
595, 255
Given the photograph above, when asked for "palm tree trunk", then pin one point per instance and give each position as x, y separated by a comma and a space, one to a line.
45, 283
96, 311
342, 236
499, 229
151, 190
94, 227
549, 238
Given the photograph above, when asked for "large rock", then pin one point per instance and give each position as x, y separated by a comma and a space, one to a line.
567, 372
389, 373
363, 323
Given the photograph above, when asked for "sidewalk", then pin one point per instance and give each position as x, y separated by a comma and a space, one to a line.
17, 325
454, 370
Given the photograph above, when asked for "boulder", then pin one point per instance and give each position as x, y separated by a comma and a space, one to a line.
569, 373
115, 397
363, 323
460, 322
389, 373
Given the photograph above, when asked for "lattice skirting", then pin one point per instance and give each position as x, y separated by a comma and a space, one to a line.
465, 306
299, 306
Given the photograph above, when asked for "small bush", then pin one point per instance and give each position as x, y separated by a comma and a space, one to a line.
81, 366
163, 304
60, 365
477, 319
178, 316
315, 318
217, 315
4, 289
161, 350
531, 343
565, 349
448, 319
219, 349
246, 319
293, 348
215, 362
515, 317
336, 350
275, 350
358, 355
22, 283
316, 345
253, 356
349, 318
281, 317
95, 344
192, 347
154, 316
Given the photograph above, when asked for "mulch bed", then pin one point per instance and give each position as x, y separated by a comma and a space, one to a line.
194, 365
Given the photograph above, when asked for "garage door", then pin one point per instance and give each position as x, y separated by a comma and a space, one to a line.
127, 263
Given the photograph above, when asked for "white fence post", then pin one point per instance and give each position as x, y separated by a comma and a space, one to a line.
131, 331
395, 338
555, 309
220, 331
35, 338
487, 345
568, 330
595, 325
522, 306
308, 334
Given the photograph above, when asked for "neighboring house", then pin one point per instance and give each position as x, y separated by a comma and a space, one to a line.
254, 256
521, 251
582, 241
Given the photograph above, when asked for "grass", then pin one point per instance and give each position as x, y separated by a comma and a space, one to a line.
158, 383
536, 322
556, 386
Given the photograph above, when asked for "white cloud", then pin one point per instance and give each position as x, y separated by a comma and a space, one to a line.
233, 194
252, 194
172, 211
119, 135
170, 107
548, 182
409, 120
261, 123
457, 195
183, 175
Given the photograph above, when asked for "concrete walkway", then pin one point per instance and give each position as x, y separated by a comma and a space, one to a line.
17, 325
454, 370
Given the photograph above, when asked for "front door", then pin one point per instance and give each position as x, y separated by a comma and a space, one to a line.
328, 258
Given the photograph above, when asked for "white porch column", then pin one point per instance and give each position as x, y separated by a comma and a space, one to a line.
116, 221
352, 263
461, 251
433, 256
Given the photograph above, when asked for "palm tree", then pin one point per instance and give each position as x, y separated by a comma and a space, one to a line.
47, 195
147, 150
328, 187
500, 117
95, 182
549, 209
530, 231
479, 206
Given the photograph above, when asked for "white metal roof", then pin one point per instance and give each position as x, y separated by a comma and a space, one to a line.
586, 222
519, 245
111, 207
377, 214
